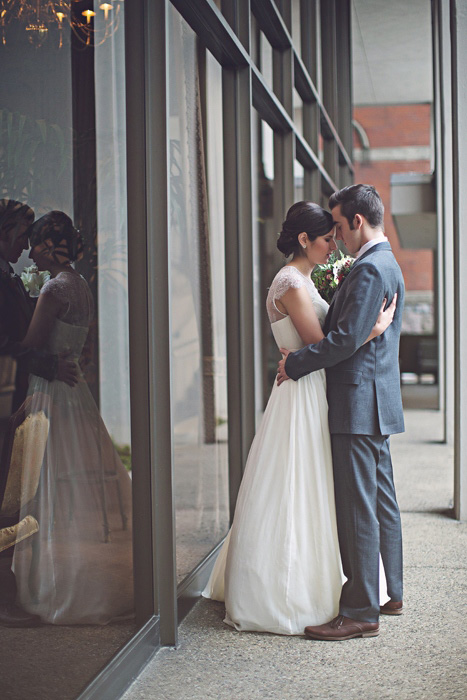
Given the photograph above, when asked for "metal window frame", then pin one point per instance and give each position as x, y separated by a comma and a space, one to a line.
459, 181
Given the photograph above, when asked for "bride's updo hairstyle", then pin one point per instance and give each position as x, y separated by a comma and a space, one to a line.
56, 230
303, 217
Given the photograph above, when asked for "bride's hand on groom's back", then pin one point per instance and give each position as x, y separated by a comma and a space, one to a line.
281, 373
67, 370
385, 317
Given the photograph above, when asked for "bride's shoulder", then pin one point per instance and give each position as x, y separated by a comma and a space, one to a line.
59, 286
287, 277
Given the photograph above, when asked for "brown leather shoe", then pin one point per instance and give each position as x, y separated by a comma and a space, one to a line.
342, 628
392, 607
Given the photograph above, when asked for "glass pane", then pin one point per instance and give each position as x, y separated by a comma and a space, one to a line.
66, 461
264, 59
266, 235
298, 111
299, 175
296, 27
199, 382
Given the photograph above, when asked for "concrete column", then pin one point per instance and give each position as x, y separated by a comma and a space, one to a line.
459, 163
237, 127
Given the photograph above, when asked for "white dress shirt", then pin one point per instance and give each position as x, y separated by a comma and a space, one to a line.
380, 239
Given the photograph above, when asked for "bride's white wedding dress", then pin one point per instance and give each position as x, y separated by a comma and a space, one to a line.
78, 568
279, 568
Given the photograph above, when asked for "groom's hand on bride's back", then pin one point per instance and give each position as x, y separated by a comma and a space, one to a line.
67, 370
281, 373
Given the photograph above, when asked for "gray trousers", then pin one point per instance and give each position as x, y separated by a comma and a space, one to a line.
368, 522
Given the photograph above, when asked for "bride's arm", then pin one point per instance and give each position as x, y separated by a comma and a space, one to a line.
46, 311
298, 305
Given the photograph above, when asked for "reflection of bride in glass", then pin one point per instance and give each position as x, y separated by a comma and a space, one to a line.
79, 570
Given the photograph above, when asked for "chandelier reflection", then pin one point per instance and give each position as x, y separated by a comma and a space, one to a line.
91, 22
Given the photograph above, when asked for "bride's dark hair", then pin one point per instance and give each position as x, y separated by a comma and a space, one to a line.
58, 228
303, 217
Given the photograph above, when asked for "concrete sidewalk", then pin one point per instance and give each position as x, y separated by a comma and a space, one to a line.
421, 654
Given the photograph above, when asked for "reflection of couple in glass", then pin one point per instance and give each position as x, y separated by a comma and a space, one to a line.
78, 567
317, 510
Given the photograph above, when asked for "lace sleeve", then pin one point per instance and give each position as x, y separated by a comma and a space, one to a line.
54, 289
288, 277
74, 295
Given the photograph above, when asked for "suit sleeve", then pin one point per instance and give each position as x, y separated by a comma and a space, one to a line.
37, 362
357, 316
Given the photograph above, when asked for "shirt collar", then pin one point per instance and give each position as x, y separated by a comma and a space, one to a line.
380, 239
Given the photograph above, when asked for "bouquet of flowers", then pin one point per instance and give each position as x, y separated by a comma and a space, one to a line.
34, 280
328, 277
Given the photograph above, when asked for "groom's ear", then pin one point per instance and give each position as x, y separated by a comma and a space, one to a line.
357, 221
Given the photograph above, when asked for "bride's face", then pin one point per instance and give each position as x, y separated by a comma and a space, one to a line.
46, 254
41, 254
319, 250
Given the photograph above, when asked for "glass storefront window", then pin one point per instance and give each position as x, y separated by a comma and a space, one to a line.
298, 111
268, 259
199, 381
66, 459
299, 176
265, 59
296, 26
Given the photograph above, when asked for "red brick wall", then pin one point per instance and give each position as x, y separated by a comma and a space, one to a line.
389, 127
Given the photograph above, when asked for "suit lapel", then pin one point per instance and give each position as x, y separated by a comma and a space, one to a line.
384, 245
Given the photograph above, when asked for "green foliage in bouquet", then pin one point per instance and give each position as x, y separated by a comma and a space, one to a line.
328, 277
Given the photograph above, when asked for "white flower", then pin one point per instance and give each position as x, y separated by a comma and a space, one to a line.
340, 265
34, 280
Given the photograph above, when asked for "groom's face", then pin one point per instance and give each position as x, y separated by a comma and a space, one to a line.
13, 240
351, 237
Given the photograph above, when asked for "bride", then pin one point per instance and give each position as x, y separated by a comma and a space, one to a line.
279, 568
79, 569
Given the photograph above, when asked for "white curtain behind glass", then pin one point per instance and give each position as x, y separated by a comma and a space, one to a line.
112, 234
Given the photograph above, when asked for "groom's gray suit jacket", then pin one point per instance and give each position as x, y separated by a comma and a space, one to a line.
363, 382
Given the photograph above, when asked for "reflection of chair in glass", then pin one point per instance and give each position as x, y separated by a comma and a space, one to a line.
7, 384
22, 457
9, 536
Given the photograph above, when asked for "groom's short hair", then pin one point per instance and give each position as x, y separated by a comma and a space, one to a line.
359, 199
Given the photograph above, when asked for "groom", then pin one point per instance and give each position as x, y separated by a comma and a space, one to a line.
365, 408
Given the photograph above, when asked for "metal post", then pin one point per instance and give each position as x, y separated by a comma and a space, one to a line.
237, 118
310, 21
159, 311
344, 85
459, 162
330, 95
145, 604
